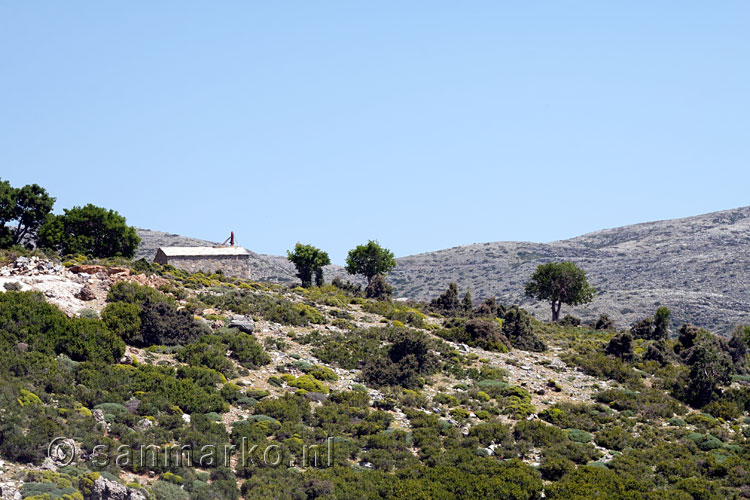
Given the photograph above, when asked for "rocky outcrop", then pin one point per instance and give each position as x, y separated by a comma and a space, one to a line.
243, 324
104, 489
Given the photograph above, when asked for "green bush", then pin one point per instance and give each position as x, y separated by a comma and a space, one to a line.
163, 324
89, 230
579, 436
163, 490
133, 293
123, 319
404, 363
705, 442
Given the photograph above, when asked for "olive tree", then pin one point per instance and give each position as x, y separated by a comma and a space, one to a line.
309, 261
22, 211
89, 230
560, 283
370, 260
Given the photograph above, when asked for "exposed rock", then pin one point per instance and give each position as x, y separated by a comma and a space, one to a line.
186, 418
87, 293
104, 489
243, 324
9, 492
87, 269
145, 424
98, 416
316, 396
132, 405
22, 347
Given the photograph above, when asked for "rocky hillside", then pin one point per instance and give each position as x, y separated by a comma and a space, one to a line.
697, 266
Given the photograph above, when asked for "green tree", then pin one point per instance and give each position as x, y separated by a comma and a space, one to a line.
447, 302
26, 208
309, 261
709, 369
369, 260
89, 230
467, 304
560, 283
662, 318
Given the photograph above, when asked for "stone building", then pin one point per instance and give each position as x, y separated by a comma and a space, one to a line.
232, 261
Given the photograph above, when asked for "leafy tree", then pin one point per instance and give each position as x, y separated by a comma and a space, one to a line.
309, 261
709, 368
89, 230
370, 260
738, 347
662, 319
560, 283
467, 304
447, 302
26, 207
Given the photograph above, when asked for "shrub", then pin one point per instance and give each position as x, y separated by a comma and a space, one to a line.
163, 490
378, 288
538, 433
407, 359
487, 335
448, 303
621, 346
555, 416
322, 373
246, 349
554, 468
163, 324
579, 436
569, 320
123, 319
705, 442
604, 323
307, 383
90, 340
275, 309
613, 438
517, 327
133, 293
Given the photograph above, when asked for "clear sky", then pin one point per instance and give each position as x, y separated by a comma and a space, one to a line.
424, 125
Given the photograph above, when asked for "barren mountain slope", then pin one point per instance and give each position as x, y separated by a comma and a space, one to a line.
697, 266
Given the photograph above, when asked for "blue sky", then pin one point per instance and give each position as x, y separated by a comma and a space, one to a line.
424, 125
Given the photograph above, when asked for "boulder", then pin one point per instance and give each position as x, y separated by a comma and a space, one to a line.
104, 489
87, 293
243, 324
87, 269
145, 424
